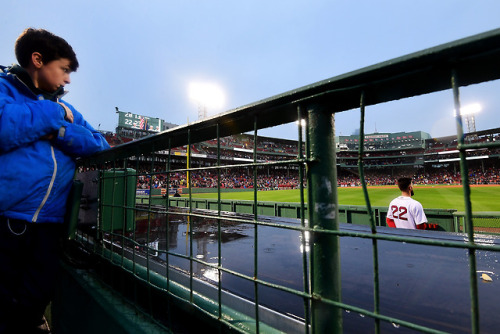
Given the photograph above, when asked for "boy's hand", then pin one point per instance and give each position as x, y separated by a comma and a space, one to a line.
69, 115
48, 137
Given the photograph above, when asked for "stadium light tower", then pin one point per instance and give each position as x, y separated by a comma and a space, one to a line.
469, 113
207, 96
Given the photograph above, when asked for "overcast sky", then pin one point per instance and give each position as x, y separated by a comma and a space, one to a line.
141, 56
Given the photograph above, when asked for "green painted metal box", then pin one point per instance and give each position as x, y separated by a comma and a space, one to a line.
118, 191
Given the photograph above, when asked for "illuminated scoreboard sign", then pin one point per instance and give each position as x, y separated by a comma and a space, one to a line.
138, 122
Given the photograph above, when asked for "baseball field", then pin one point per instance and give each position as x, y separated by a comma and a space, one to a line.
483, 197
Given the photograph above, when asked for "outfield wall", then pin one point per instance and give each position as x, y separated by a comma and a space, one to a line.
213, 190
162, 191
350, 214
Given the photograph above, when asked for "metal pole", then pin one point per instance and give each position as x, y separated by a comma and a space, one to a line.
376, 288
464, 173
323, 215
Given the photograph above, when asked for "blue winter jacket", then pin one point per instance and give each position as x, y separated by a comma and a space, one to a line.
36, 173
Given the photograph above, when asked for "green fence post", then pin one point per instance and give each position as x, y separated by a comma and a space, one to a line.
323, 215
468, 227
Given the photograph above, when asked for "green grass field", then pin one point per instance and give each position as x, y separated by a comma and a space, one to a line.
484, 198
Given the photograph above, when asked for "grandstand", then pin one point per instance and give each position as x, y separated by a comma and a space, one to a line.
387, 156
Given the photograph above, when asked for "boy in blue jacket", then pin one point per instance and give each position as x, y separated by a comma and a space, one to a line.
40, 138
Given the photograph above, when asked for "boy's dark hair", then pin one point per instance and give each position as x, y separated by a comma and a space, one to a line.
50, 46
404, 183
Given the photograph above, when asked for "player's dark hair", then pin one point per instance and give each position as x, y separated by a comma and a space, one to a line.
50, 46
404, 183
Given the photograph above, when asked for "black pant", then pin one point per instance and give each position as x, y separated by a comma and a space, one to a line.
29, 267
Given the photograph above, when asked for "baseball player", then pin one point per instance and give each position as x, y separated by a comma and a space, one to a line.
405, 212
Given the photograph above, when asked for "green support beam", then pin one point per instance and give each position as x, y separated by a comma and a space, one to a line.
324, 215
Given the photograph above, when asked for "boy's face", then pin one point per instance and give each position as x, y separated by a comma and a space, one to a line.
54, 74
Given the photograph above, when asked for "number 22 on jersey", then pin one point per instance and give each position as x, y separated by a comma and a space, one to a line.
399, 212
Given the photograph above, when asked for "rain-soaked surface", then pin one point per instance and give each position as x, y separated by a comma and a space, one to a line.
426, 285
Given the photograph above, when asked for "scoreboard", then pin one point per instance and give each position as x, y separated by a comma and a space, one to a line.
138, 122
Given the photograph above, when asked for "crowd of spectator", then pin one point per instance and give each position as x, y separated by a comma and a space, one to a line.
279, 179
229, 179
383, 166
441, 176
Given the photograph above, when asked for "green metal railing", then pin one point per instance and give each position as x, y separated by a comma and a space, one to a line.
482, 222
451, 66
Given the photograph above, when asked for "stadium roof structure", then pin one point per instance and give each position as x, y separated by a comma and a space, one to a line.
487, 132
447, 139
388, 136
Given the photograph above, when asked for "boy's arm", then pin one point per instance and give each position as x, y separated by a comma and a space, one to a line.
27, 122
79, 138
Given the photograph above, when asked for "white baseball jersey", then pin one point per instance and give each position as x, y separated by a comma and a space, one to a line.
406, 212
